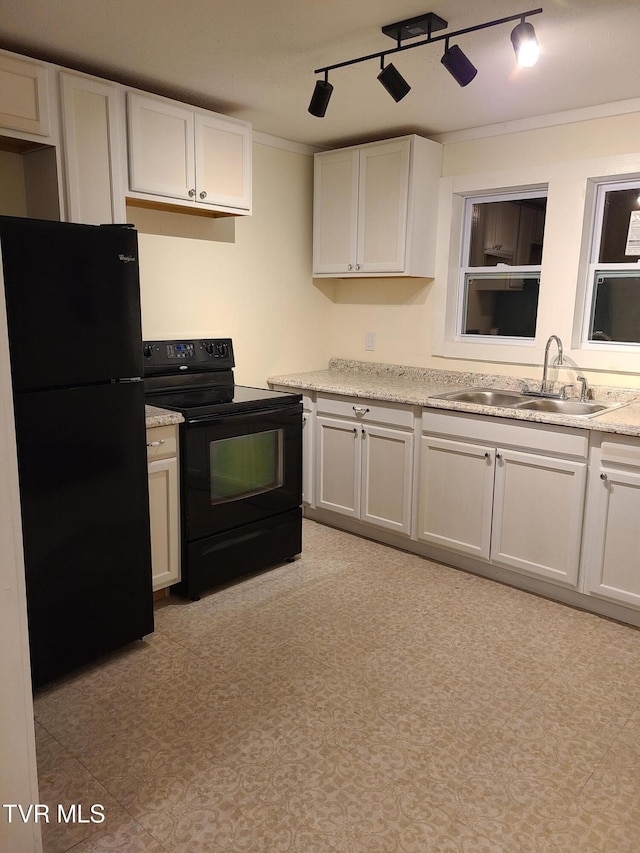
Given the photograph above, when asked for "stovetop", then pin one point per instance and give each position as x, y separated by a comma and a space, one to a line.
209, 402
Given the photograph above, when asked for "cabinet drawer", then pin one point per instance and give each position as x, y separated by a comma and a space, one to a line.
564, 441
620, 453
366, 410
162, 442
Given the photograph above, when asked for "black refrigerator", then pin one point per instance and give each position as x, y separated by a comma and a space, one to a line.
73, 310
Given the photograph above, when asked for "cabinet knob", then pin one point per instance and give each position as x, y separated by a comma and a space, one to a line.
487, 455
203, 194
603, 477
498, 454
349, 266
192, 193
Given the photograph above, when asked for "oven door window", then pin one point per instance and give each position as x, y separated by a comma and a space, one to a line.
245, 465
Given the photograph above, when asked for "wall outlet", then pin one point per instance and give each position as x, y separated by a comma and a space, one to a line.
369, 341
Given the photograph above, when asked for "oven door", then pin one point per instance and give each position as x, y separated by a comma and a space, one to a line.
240, 468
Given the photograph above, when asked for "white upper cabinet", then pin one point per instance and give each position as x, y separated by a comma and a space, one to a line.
24, 96
94, 145
188, 156
375, 209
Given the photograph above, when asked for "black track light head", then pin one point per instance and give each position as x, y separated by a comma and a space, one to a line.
320, 98
394, 82
458, 65
525, 44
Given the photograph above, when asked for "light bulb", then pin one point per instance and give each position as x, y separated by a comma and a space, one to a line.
525, 44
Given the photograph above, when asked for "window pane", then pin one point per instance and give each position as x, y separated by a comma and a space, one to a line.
616, 311
619, 205
507, 232
245, 465
503, 305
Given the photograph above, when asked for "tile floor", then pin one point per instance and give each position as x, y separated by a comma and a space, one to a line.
360, 699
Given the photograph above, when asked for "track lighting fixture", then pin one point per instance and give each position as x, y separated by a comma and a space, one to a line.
393, 81
458, 65
456, 62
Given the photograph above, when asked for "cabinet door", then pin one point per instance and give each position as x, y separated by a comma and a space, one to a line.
613, 564
335, 211
165, 523
24, 102
383, 207
338, 466
387, 461
161, 148
223, 162
501, 229
92, 150
537, 515
456, 495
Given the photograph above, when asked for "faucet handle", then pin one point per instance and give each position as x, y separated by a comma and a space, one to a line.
563, 390
584, 388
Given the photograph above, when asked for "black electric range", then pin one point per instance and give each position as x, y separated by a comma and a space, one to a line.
240, 462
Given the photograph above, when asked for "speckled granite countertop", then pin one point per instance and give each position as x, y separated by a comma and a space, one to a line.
417, 386
161, 417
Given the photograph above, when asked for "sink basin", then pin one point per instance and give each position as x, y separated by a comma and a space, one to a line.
484, 397
587, 409
515, 400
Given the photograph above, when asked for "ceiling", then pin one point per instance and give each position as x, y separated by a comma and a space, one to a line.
254, 59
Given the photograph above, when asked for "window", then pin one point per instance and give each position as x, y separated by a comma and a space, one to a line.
613, 295
500, 272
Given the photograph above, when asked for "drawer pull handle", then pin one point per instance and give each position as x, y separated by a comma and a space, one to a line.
156, 443
360, 410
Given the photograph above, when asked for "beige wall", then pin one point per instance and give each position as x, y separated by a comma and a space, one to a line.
258, 289
18, 779
409, 317
13, 201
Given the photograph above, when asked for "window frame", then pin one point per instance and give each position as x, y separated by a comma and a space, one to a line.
593, 267
466, 271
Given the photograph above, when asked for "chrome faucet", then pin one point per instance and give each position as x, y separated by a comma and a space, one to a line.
544, 388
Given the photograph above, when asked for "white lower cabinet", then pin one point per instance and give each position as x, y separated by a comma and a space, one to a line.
364, 461
162, 462
611, 556
519, 507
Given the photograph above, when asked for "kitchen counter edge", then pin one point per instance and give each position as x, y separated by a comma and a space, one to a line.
155, 417
418, 387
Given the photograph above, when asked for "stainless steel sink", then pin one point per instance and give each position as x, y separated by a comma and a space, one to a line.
515, 400
576, 408
484, 397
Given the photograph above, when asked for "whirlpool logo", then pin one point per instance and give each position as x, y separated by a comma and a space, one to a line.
127, 259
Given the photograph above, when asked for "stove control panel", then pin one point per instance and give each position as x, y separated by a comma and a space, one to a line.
165, 357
